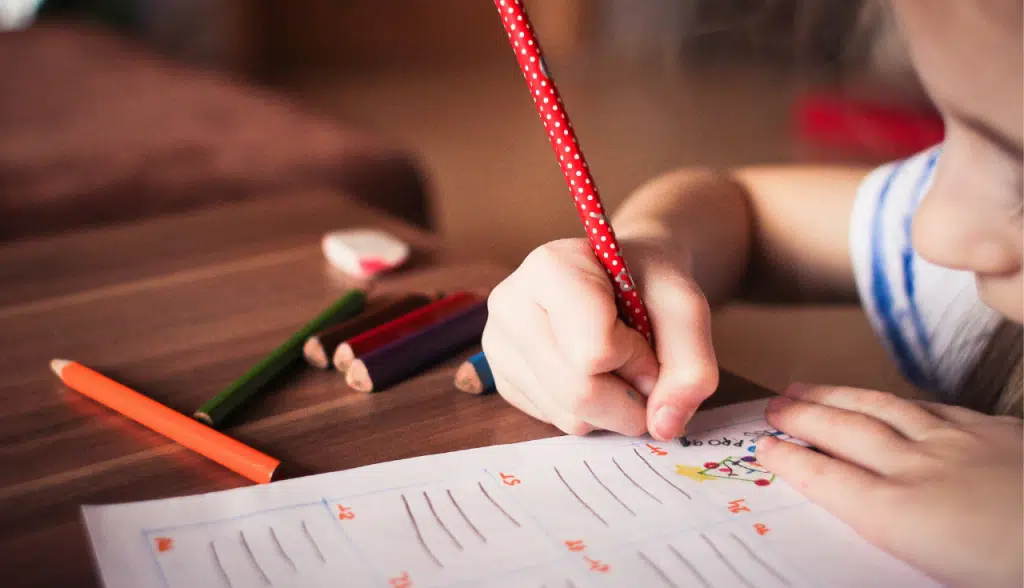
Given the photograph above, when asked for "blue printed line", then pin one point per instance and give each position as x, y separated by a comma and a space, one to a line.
908, 261
882, 291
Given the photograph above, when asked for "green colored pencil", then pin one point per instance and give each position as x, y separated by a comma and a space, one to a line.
220, 406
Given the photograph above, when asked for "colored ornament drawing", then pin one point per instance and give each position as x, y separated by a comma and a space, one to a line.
744, 469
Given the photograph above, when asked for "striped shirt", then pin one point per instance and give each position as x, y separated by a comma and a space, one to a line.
930, 318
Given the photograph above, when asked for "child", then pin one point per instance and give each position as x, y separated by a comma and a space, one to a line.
933, 248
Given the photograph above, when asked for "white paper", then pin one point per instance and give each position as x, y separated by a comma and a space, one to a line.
566, 512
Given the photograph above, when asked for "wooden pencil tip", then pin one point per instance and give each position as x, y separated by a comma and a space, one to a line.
58, 365
203, 418
343, 357
358, 377
314, 353
467, 380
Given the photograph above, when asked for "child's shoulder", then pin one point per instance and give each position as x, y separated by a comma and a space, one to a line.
929, 317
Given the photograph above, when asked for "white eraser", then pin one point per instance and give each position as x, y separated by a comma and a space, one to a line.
364, 252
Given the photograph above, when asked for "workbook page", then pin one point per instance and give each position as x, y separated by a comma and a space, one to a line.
566, 512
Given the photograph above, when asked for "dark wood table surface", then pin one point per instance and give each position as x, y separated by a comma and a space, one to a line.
177, 307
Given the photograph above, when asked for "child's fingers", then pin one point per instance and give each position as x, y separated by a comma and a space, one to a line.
844, 489
905, 416
952, 413
574, 291
500, 358
633, 357
511, 393
681, 319
847, 435
528, 380
604, 401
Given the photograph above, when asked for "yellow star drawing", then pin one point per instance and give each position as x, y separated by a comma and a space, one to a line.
693, 472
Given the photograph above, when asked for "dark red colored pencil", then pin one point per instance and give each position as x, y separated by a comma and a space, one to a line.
319, 348
403, 358
400, 327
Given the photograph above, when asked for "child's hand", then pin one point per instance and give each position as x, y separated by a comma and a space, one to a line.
937, 486
559, 352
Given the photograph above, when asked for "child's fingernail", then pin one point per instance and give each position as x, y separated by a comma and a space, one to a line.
778, 403
645, 385
796, 389
668, 422
764, 442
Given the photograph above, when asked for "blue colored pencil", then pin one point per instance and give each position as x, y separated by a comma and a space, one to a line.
474, 376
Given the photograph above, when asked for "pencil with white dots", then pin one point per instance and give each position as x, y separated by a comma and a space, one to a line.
574, 166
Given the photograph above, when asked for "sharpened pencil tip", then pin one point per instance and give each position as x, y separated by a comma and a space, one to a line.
58, 365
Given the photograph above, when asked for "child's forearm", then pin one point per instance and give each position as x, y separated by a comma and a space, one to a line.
766, 233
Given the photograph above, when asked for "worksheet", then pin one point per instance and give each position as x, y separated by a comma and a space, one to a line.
602, 510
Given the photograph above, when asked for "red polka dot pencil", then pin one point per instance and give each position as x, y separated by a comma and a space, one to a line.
577, 174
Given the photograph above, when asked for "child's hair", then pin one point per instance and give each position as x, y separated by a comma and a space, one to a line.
995, 384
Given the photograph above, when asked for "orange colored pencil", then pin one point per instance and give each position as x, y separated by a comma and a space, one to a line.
228, 452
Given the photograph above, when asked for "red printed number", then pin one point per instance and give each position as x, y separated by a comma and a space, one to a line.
597, 565
737, 506
656, 450
345, 513
575, 545
402, 581
510, 480
164, 544
761, 529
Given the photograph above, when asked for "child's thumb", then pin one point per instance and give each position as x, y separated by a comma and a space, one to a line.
681, 319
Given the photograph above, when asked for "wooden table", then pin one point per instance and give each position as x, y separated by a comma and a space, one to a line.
177, 307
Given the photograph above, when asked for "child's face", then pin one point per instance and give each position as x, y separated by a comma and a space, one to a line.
969, 57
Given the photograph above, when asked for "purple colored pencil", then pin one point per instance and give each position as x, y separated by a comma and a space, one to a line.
392, 363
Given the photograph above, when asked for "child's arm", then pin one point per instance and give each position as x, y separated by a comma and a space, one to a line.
778, 233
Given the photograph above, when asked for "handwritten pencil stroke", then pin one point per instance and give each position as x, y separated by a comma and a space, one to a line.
609, 490
280, 549
496, 505
635, 483
312, 541
465, 517
581, 501
667, 481
440, 522
220, 566
693, 569
419, 535
750, 551
252, 557
657, 570
725, 561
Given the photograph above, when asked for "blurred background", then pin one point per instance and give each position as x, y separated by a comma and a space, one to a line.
138, 106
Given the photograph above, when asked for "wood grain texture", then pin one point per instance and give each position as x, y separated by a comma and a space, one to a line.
176, 308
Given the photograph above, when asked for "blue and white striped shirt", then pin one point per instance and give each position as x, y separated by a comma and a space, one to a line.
930, 318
